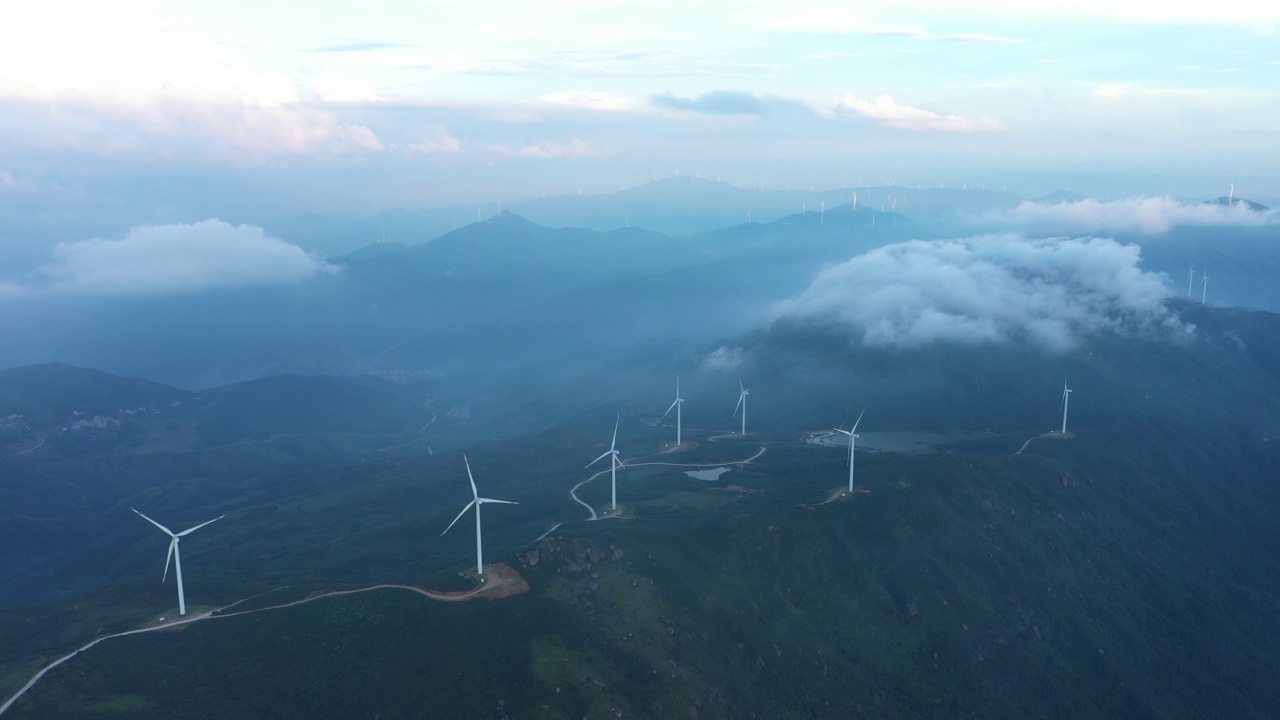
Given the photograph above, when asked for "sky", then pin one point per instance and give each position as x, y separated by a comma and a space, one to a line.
145, 111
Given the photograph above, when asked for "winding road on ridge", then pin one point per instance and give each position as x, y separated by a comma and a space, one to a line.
573, 492
499, 579
501, 576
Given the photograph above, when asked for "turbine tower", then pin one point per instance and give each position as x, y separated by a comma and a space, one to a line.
1204, 285
175, 556
477, 501
676, 405
614, 462
1066, 400
742, 403
853, 435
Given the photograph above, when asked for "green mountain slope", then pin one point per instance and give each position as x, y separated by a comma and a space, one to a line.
1127, 569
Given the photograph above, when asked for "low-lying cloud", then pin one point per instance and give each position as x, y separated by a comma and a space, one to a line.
729, 102
723, 359
1147, 215
165, 259
990, 289
886, 111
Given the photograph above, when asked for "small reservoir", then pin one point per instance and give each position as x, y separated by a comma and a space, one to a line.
709, 474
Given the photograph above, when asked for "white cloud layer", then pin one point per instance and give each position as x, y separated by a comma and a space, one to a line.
120, 80
1148, 215
590, 100
989, 289
723, 359
165, 259
574, 149
439, 141
885, 110
338, 86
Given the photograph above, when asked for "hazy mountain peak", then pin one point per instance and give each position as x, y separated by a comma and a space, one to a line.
1229, 201
506, 217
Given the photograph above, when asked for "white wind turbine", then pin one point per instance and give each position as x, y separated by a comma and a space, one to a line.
676, 405
614, 463
1191, 278
853, 435
743, 392
1204, 285
1066, 400
477, 501
175, 556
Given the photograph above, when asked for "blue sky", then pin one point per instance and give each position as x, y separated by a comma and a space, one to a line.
155, 107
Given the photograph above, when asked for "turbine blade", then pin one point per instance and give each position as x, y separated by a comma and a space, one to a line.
741, 395
673, 407
185, 532
464, 512
491, 500
167, 558
474, 493
614, 442
153, 522
855, 422
741, 387
606, 454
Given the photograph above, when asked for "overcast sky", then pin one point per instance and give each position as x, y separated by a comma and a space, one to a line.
139, 107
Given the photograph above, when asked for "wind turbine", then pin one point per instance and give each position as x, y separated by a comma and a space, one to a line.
1066, 400
1191, 278
477, 501
676, 404
742, 403
853, 435
614, 462
175, 556
1204, 285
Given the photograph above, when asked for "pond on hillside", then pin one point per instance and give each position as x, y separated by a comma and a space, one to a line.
709, 474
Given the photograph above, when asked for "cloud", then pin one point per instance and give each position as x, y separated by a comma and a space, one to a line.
839, 21
727, 102
335, 85
546, 149
122, 81
226, 129
170, 259
590, 100
827, 20
360, 46
976, 38
7, 180
886, 110
1147, 215
989, 289
440, 142
723, 359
